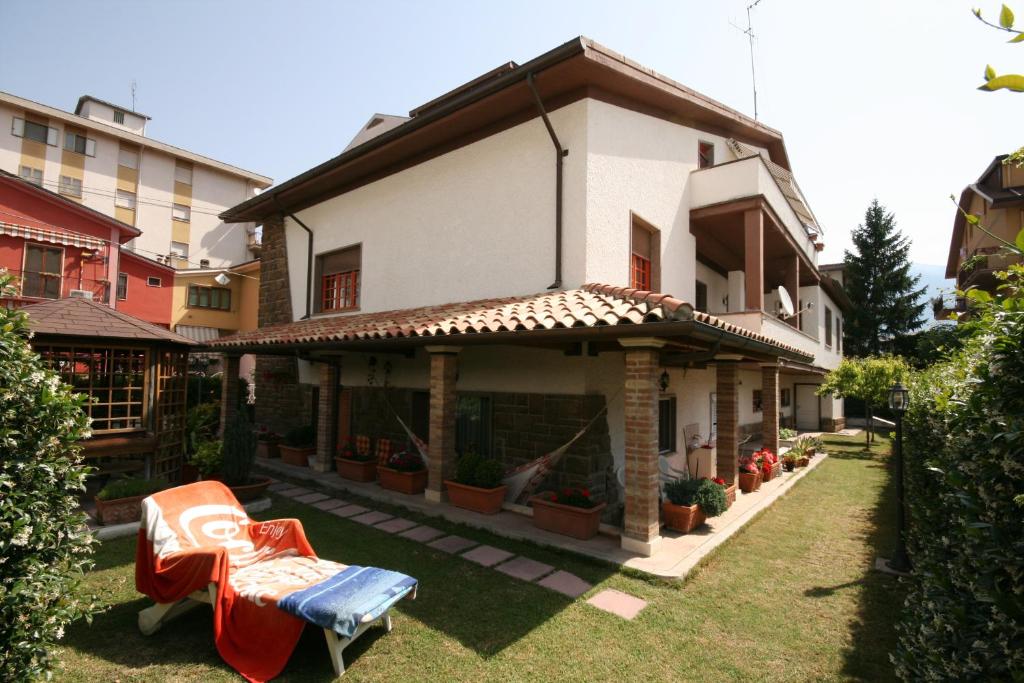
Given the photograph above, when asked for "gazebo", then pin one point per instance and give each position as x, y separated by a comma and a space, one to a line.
135, 374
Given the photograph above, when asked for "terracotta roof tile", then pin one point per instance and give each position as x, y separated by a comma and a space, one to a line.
592, 305
86, 318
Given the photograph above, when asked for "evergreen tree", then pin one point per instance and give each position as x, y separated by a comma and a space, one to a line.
887, 300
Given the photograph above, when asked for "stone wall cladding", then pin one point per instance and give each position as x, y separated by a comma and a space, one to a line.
642, 512
770, 408
727, 388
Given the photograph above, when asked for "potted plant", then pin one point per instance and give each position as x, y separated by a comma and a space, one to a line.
404, 472
789, 461
201, 424
208, 459
786, 436
750, 474
729, 489
814, 444
238, 455
570, 512
355, 466
297, 446
690, 502
769, 464
267, 443
120, 501
800, 449
477, 485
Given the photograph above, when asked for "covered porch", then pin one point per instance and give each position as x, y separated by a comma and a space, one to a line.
555, 362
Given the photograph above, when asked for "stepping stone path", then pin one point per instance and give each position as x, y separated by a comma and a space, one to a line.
523, 568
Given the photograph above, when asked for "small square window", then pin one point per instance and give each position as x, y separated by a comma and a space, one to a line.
179, 249
119, 117
71, 186
180, 212
125, 199
32, 175
122, 286
153, 282
705, 154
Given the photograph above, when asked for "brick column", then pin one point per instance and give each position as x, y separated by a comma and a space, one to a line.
641, 531
441, 442
228, 390
327, 417
753, 259
727, 408
770, 407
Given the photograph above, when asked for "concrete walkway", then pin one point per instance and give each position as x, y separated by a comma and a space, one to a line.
675, 558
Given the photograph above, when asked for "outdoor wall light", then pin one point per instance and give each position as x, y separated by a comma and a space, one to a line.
663, 380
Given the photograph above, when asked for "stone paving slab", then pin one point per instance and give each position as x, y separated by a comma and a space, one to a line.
311, 498
349, 511
280, 486
393, 526
452, 544
422, 534
524, 568
487, 555
565, 583
618, 603
372, 517
329, 504
295, 492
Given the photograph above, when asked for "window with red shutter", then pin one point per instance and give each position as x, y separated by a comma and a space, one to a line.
339, 273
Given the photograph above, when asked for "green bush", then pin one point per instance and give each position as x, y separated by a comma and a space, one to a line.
44, 543
474, 469
964, 437
208, 458
704, 492
129, 488
201, 424
300, 437
239, 450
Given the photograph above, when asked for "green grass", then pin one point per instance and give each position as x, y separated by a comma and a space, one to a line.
791, 597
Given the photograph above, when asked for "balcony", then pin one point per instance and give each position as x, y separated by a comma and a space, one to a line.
34, 286
979, 268
254, 241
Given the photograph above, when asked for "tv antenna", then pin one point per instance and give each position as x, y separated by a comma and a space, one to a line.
134, 85
749, 32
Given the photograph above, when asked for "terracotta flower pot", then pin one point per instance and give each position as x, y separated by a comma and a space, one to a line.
410, 483
803, 462
268, 449
809, 452
296, 455
484, 501
776, 470
119, 510
256, 487
356, 470
566, 519
684, 518
750, 482
730, 495
789, 465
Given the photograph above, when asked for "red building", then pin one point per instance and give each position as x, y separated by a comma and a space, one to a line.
58, 248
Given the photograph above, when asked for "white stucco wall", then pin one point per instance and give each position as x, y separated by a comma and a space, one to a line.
718, 288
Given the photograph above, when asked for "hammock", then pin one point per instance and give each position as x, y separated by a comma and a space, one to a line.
521, 481
421, 445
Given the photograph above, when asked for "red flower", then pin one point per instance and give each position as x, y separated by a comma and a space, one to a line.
585, 492
719, 481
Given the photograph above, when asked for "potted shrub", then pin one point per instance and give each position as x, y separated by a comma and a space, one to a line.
208, 459
690, 502
267, 443
297, 446
814, 444
769, 464
477, 485
749, 475
570, 512
729, 489
355, 466
789, 461
120, 501
238, 455
404, 472
786, 436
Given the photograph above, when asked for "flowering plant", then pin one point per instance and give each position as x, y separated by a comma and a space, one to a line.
348, 452
720, 481
264, 433
404, 461
576, 497
749, 464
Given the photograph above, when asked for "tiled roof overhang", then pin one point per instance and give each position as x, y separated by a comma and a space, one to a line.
591, 312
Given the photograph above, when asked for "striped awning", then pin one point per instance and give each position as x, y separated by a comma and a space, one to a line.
68, 239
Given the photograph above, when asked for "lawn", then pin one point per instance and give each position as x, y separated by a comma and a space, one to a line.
791, 597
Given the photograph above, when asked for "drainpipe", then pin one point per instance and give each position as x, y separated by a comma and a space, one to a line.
559, 155
309, 255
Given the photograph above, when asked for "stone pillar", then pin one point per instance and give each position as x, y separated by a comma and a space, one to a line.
727, 408
327, 417
770, 407
641, 531
441, 442
753, 258
228, 390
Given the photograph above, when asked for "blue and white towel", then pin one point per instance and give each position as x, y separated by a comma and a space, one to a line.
349, 598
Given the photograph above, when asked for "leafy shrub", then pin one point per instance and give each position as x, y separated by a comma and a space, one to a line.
239, 450
300, 437
201, 424
129, 488
787, 433
465, 468
208, 458
404, 461
963, 618
44, 543
704, 492
474, 469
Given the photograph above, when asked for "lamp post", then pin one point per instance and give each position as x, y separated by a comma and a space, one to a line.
899, 400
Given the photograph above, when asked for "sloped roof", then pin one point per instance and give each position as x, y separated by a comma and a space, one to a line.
75, 317
592, 306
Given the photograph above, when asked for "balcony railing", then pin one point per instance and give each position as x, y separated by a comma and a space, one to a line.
35, 286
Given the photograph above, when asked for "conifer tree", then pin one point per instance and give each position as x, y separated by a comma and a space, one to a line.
887, 300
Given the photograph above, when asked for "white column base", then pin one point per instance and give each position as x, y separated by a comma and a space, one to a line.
432, 496
645, 548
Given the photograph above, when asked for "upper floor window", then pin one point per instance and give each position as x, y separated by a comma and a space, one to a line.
41, 276
183, 173
645, 261
209, 297
31, 130
179, 250
125, 199
119, 116
122, 286
705, 154
667, 424
180, 212
73, 142
828, 327
839, 335
701, 297
154, 282
339, 276
32, 175
129, 158
71, 186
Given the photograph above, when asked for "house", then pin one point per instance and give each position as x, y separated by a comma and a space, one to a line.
997, 199
572, 243
58, 248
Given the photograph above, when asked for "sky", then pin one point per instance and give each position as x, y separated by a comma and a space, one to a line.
876, 99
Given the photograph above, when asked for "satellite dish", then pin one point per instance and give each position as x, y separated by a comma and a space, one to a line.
222, 279
785, 302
